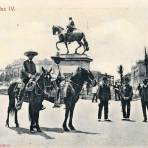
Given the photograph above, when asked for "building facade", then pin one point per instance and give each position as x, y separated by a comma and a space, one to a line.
13, 71
138, 73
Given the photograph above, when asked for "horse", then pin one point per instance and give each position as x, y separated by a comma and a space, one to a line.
74, 88
68, 38
35, 98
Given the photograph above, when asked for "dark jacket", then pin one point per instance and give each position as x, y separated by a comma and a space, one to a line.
28, 68
127, 92
144, 93
104, 93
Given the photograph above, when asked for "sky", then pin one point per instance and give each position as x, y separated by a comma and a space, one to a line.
116, 30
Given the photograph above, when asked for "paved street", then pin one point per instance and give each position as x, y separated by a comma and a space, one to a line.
90, 132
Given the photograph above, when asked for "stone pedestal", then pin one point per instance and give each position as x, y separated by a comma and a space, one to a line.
70, 62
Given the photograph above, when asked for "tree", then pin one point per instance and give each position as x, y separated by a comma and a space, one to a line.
120, 71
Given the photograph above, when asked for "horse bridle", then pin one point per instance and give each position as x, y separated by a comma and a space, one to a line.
44, 86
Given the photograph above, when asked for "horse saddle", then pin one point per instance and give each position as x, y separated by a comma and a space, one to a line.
30, 85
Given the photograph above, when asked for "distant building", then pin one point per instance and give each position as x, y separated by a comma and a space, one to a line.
98, 76
138, 73
43, 63
13, 71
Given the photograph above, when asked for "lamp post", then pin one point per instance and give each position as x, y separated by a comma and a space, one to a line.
146, 62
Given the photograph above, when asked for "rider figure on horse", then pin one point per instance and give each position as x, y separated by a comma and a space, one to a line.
27, 73
70, 26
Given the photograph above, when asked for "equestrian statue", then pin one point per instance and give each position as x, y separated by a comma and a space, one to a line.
70, 35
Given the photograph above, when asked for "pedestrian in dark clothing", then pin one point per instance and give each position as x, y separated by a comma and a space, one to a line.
104, 95
144, 98
126, 97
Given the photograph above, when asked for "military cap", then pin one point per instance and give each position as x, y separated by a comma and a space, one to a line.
30, 53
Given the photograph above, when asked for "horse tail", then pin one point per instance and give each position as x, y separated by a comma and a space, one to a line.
11, 107
85, 42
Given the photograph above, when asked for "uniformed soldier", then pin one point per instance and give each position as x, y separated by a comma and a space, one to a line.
144, 98
126, 97
71, 25
104, 95
28, 71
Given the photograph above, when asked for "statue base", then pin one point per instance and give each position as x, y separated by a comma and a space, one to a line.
70, 62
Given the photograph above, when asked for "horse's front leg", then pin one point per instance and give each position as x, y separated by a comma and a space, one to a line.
71, 117
16, 121
66, 117
37, 121
67, 47
57, 45
32, 118
7, 121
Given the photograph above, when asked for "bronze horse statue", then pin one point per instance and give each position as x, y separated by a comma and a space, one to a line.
35, 98
74, 88
68, 38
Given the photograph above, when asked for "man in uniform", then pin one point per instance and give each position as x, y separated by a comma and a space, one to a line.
126, 97
28, 71
144, 98
104, 95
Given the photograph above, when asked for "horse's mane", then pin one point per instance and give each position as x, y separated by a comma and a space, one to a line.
60, 27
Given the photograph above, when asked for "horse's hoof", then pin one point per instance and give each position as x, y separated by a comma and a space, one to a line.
72, 128
66, 129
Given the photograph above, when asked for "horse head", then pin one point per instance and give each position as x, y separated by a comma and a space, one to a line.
44, 78
85, 75
56, 29
46, 75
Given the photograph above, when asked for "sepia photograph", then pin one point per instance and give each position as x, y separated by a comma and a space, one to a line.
73, 74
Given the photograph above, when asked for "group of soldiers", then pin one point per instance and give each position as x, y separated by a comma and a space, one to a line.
125, 94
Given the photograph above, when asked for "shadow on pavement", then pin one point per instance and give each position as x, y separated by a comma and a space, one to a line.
60, 130
129, 120
21, 130
56, 130
84, 132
